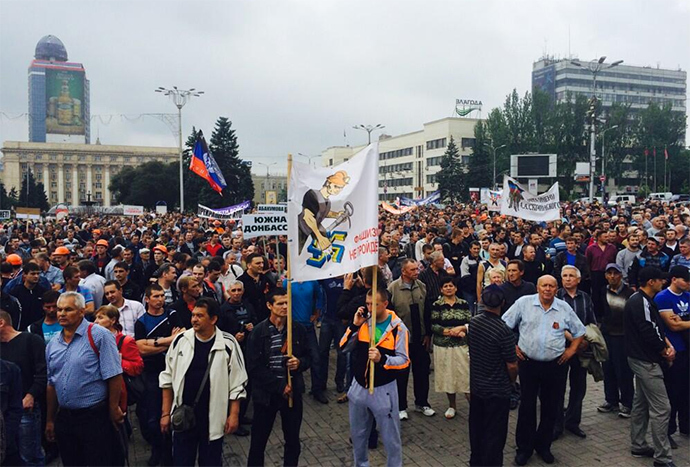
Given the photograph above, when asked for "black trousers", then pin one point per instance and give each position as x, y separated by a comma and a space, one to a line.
88, 437
598, 294
264, 417
578, 388
420, 361
543, 380
677, 379
488, 430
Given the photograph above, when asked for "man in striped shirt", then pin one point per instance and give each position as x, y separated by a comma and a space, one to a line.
493, 370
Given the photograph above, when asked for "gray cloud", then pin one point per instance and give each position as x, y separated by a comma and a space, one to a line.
292, 75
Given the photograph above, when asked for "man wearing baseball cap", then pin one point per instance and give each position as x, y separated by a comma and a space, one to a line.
673, 309
618, 378
493, 370
648, 348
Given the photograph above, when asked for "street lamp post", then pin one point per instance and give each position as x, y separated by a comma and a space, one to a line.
267, 177
594, 67
180, 98
603, 162
369, 129
309, 157
493, 150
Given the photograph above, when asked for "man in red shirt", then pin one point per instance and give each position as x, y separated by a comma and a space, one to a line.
214, 247
598, 255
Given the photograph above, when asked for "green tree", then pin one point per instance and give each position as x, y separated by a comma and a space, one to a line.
7, 201
32, 194
225, 149
451, 177
479, 168
147, 184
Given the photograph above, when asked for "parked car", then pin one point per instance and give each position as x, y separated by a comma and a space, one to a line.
615, 200
681, 199
665, 196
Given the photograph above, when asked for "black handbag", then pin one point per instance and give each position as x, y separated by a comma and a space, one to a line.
135, 384
183, 418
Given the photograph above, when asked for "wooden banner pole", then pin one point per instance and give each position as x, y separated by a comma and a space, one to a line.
372, 326
289, 294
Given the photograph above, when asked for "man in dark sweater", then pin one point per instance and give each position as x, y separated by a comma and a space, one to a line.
27, 351
648, 348
30, 293
515, 287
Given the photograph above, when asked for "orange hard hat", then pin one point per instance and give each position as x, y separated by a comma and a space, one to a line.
14, 259
161, 248
61, 250
102, 243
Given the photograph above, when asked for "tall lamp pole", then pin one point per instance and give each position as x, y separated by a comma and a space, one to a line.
180, 98
603, 162
493, 150
309, 157
594, 67
267, 177
369, 129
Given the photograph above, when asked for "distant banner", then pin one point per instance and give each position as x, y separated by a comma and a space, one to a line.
130, 210
229, 212
518, 202
257, 225
271, 207
491, 198
434, 197
395, 210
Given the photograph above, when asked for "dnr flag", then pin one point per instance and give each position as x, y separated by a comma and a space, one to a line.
204, 165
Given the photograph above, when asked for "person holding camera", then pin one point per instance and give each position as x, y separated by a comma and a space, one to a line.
203, 383
389, 357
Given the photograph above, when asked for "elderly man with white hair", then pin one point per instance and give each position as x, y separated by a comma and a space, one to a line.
581, 303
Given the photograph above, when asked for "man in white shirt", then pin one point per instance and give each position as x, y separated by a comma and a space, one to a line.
130, 310
91, 281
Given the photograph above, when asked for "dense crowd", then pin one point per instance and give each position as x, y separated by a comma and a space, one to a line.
182, 322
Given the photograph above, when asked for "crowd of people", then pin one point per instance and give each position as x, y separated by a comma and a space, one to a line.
183, 322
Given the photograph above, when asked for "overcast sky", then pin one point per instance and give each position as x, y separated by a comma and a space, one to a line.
293, 75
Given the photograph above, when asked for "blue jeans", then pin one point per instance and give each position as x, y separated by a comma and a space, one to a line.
313, 348
30, 448
187, 444
331, 331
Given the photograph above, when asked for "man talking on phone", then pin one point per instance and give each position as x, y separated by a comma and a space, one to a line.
389, 357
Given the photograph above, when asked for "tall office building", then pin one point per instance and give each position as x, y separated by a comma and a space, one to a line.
623, 84
58, 96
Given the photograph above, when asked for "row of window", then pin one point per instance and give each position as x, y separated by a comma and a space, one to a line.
392, 196
395, 168
98, 196
82, 158
629, 76
395, 182
393, 154
436, 144
625, 87
628, 99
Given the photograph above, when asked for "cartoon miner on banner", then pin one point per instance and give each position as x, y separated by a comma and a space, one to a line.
316, 206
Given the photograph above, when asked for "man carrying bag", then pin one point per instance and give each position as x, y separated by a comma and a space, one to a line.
204, 373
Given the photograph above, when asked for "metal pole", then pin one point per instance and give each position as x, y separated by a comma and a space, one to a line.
493, 180
654, 158
179, 129
603, 167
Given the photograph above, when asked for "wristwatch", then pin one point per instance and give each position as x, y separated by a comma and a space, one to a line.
155, 342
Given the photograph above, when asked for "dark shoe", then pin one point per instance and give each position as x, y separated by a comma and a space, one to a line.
241, 432
557, 434
340, 387
607, 407
625, 412
521, 459
547, 457
672, 442
246, 421
342, 399
646, 452
155, 458
320, 396
576, 431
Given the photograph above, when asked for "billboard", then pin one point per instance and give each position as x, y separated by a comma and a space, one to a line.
65, 102
533, 165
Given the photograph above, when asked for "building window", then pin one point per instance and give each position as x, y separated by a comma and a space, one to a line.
467, 143
99, 195
53, 158
99, 169
431, 161
397, 153
436, 144
128, 159
98, 176
81, 158
67, 158
68, 185
113, 158
53, 195
53, 184
97, 158
39, 157
68, 195
431, 178
99, 185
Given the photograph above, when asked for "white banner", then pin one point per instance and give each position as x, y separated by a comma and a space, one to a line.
519, 202
491, 198
131, 210
333, 217
266, 223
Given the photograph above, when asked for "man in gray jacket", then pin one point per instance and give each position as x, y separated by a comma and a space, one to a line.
625, 258
408, 294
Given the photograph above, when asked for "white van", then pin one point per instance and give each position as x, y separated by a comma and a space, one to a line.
665, 196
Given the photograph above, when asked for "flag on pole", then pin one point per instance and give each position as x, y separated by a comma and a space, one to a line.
333, 217
654, 153
646, 152
666, 153
205, 166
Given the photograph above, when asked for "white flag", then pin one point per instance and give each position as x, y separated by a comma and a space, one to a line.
333, 217
516, 201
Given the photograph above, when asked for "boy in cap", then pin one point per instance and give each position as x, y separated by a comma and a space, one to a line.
493, 370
